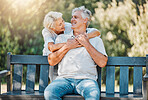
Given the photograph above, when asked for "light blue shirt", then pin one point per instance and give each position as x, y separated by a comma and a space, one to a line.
50, 36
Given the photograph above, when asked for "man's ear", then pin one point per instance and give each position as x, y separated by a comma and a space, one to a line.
85, 20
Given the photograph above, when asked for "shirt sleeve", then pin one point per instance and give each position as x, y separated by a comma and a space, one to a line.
100, 46
89, 30
47, 36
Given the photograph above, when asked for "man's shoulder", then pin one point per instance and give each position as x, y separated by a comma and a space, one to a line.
96, 40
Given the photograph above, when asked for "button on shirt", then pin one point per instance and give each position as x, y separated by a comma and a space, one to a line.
77, 63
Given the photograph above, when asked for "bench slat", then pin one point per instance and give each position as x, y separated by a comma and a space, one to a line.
72, 97
117, 96
112, 61
30, 78
137, 80
44, 73
23, 95
29, 59
126, 61
110, 79
17, 78
124, 76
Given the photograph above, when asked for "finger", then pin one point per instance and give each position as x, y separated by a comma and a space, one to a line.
76, 38
86, 35
79, 46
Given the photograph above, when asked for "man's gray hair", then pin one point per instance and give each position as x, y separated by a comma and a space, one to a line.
85, 13
50, 18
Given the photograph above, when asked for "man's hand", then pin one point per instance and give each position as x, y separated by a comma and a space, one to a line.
73, 43
83, 39
98, 57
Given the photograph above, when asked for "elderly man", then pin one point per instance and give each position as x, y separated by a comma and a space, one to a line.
77, 66
53, 26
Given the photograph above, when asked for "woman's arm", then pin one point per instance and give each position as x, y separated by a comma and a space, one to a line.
54, 47
55, 57
93, 34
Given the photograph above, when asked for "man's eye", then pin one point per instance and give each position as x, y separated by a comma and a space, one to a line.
75, 17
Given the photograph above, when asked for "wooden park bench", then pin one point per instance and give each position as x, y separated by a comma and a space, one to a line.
14, 72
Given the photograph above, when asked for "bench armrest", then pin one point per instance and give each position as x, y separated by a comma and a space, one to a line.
145, 77
4, 73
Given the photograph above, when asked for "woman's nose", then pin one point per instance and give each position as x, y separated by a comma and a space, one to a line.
64, 24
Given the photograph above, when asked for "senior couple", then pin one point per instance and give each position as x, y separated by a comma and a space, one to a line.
77, 50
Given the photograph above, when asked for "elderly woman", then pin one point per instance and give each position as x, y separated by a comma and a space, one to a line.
54, 25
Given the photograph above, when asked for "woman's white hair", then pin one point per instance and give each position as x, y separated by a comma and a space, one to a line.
85, 13
50, 18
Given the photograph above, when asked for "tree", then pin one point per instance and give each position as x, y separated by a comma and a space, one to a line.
124, 31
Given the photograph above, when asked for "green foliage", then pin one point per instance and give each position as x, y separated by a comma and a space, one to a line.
119, 24
138, 33
124, 31
123, 25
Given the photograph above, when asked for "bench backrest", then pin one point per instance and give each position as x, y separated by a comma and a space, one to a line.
32, 61
124, 63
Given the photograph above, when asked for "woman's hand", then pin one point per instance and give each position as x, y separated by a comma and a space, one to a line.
73, 43
83, 39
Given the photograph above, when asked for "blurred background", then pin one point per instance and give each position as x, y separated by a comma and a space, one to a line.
123, 25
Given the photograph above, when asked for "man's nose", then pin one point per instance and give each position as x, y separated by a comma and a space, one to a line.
72, 19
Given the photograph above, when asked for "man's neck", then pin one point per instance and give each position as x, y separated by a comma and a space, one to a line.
79, 31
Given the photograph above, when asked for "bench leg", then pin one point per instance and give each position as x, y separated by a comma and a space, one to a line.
145, 90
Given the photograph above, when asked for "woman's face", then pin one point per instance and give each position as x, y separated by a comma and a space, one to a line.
59, 25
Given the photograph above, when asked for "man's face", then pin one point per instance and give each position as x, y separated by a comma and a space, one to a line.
59, 25
77, 20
